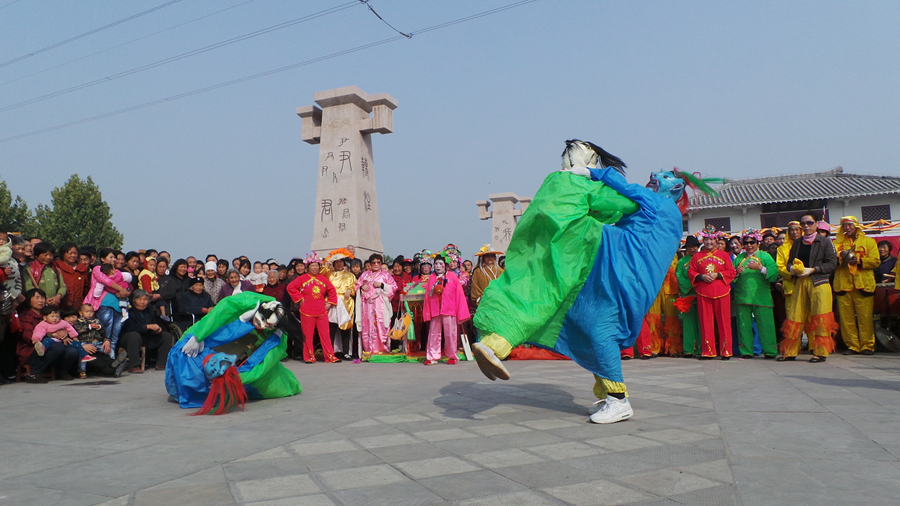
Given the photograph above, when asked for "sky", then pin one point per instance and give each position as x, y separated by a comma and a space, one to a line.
727, 89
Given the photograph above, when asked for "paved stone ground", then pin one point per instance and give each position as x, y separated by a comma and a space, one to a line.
705, 433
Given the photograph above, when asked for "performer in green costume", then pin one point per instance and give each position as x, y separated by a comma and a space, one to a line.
753, 296
257, 320
551, 253
690, 323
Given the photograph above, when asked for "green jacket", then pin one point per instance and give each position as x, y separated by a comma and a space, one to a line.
51, 281
752, 287
684, 280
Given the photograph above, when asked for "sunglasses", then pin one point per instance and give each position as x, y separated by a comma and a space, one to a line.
807, 223
748, 243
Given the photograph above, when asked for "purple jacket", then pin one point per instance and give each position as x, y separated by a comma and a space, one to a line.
227, 290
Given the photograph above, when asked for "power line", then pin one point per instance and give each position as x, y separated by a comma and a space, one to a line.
126, 43
268, 72
7, 5
85, 34
366, 2
182, 56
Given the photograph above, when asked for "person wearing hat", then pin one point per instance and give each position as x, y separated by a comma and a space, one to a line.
756, 271
823, 229
375, 287
196, 300
854, 285
344, 284
445, 307
810, 309
787, 284
212, 283
711, 272
315, 294
487, 271
690, 325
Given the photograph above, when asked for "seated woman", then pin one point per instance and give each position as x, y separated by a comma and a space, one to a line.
179, 271
195, 301
40, 273
234, 285
63, 359
143, 329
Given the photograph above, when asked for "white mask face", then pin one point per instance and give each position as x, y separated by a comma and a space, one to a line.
439, 267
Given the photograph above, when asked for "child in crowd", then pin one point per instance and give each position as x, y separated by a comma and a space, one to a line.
89, 329
258, 278
111, 271
53, 323
6, 301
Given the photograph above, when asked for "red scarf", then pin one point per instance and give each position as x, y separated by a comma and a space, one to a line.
808, 239
36, 269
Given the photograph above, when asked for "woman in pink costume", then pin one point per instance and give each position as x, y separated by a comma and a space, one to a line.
374, 289
445, 307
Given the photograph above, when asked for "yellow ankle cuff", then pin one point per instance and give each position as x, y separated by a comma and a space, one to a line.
501, 346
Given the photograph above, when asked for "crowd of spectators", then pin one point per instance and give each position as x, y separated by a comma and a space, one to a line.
126, 308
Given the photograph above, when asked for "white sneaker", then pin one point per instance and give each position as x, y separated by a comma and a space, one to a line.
489, 363
613, 410
597, 406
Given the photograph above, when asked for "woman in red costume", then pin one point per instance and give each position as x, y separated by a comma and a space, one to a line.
316, 294
711, 272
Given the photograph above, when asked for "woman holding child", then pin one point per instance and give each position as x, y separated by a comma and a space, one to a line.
62, 358
108, 285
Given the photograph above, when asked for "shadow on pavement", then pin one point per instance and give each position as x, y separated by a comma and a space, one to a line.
851, 383
479, 397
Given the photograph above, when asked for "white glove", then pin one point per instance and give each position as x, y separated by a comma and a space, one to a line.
806, 272
581, 171
192, 347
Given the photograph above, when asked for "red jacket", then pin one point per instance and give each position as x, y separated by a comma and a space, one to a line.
77, 281
718, 262
24, 347
312, 292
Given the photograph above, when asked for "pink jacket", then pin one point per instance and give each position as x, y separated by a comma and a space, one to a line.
451, 302
42, 329
97, 276
388, 285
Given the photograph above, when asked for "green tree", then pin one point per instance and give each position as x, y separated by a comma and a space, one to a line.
79, 214
14, 213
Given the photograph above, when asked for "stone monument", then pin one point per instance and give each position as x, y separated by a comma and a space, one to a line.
346, 209
504, 216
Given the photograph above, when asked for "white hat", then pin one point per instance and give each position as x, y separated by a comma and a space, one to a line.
210, 266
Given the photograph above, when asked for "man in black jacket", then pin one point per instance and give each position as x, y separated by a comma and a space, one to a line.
195, 301
143, 329
810, 308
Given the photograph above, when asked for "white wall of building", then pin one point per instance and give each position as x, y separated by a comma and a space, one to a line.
744, 218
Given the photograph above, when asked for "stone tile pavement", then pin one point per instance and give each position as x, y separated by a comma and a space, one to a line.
749, 432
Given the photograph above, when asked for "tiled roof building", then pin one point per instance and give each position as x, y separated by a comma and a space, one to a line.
774, 201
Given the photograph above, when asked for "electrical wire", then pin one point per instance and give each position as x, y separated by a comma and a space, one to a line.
366, 2
268, 72
10, 3
85, 34
182, 56
126, 43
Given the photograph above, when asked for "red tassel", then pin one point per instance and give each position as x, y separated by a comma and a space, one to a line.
225, 393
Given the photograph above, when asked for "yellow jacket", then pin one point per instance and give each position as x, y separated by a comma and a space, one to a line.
784, 253
862, 275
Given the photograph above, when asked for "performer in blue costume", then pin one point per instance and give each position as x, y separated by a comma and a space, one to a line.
606, 315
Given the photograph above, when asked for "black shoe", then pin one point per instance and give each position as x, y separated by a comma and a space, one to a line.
31, 378
646, 357
868, 352
64, 377
626, 357
5, 381
706, 358
120, 369
726, 358
769, 357
850, 352
816, 359
746, 357
686, 355
786, 359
